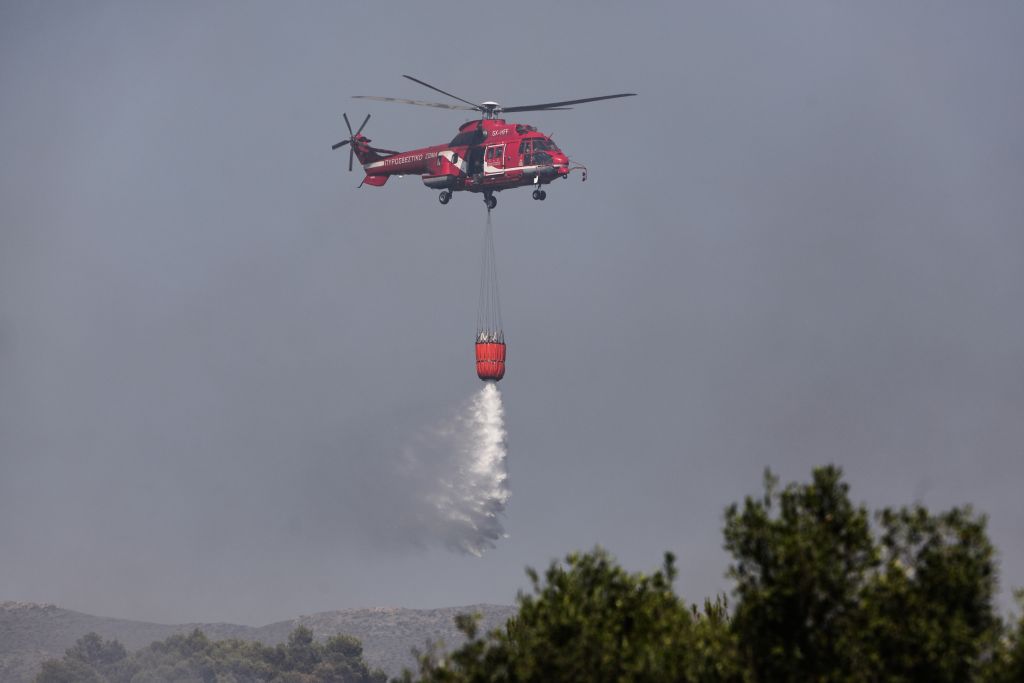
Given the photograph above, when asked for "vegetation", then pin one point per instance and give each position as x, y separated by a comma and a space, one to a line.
197, 659
820, 595
823, 591
592, 621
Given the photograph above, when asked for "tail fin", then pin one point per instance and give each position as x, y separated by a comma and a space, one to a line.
363, 151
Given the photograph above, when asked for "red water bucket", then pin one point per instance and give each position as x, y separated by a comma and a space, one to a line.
490, 360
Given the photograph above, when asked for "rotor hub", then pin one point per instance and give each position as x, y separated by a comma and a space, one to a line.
490, 109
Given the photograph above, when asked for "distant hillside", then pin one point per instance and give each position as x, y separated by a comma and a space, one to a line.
31, 633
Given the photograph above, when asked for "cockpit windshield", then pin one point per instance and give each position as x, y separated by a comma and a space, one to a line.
544, 145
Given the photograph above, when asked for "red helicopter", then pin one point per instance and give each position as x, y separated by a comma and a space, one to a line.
487, 156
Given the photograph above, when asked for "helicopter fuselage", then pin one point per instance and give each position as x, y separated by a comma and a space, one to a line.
487, 155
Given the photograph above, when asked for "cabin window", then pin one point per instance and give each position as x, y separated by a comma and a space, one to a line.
526, 150
469, 137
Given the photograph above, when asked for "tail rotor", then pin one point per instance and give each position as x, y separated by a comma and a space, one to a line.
352, 137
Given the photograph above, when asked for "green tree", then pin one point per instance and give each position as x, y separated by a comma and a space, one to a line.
96, 652
821, 597
302, 653
1005, 664
931, 605
90, 659
590, 620
800, 555
1014, 662
68, 670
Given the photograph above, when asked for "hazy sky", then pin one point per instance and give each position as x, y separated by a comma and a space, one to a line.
801, 244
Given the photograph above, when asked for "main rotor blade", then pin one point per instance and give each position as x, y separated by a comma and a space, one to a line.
555, 105
364, 124
351, 152
421, 103
347, 123
340, 144
454, 97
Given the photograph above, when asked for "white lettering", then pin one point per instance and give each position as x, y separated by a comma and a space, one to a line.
396, 161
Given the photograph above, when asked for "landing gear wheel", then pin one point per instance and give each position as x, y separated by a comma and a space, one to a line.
542, 195
536, 194
444, 197
491, 201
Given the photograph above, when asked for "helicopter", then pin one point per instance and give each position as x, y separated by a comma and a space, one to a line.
487, 155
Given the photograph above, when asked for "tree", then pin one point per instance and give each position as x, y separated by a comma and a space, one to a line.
89, 660
931, 605
96, 652
820, 598
68, 670
1014, 659
590, 620
302, 653
799, 558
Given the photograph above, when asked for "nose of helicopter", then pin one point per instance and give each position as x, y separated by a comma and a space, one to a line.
561, 163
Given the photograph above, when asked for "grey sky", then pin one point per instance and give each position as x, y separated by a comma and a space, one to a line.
800, 244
